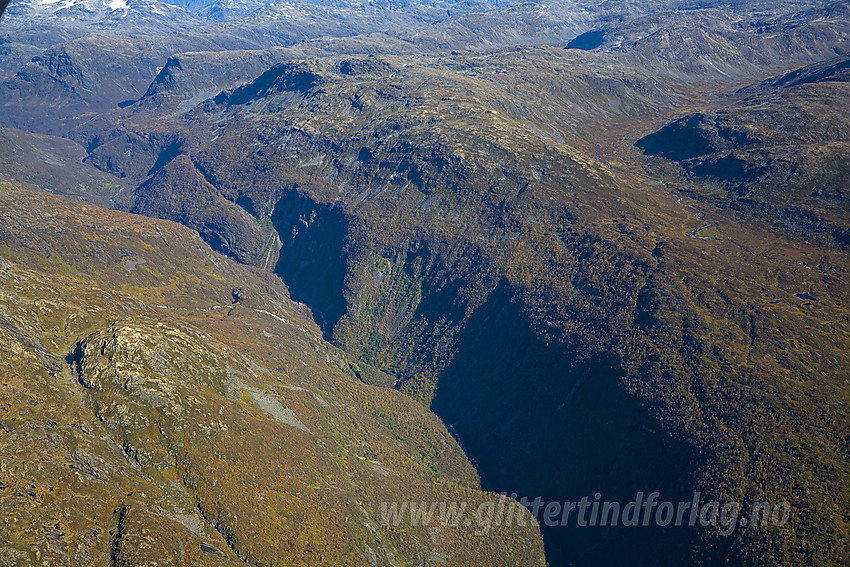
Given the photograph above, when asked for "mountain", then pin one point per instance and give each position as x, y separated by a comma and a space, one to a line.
730, 45
104, 57
221, 10
125, 16
776, 155
435, 219
604, 243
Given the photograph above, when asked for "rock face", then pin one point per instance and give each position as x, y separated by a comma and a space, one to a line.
312, 254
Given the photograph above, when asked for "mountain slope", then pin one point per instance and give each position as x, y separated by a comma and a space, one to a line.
144, 419
122, 16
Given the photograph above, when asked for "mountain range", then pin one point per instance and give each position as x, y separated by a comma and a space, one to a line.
304, 258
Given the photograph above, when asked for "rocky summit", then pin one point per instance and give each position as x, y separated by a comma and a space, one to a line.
425, 283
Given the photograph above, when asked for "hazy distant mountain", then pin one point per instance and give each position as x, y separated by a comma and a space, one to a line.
124, 16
